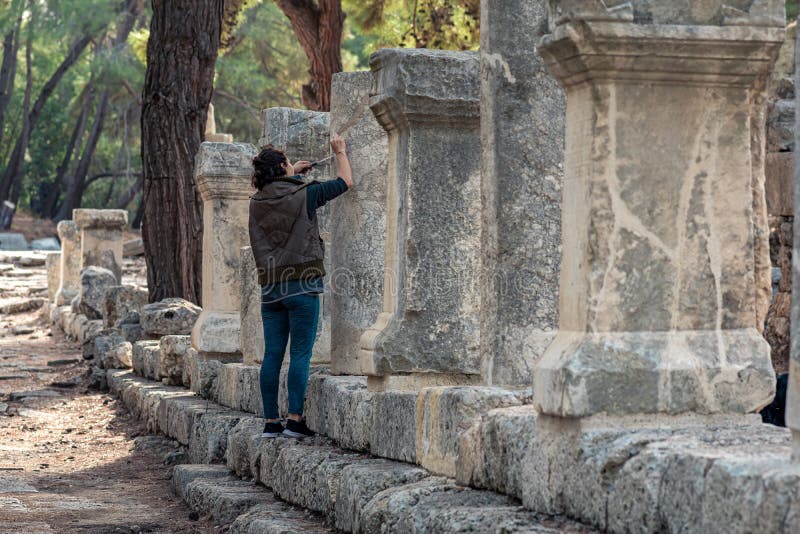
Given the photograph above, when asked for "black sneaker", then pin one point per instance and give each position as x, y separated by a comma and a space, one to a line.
297, 429
272, 430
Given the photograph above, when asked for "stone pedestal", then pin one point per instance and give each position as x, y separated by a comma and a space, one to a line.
53, 263
358, 222
101, 238
211, 135
223, 173
793, 390
657, 302
305, 135
251, 335
70, 271
428, 330
522, 137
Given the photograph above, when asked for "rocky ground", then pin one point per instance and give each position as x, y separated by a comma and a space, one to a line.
71, 459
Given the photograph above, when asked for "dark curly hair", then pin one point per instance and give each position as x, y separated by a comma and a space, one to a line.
267, 166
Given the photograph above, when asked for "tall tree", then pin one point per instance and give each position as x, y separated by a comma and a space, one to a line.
8, 67
13, 170
76, 181
66, 167
181, 53
318, 25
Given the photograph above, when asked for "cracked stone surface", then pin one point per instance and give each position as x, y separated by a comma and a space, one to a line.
101, 238
429, 100
522, 169
358, 223
659, 252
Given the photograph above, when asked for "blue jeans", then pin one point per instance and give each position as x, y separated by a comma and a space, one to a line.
295, 316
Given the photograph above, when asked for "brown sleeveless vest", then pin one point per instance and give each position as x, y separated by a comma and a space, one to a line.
286, 243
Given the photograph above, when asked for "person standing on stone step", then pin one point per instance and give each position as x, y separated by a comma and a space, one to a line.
284, 235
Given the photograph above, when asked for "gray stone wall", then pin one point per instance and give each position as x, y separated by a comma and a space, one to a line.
793, 390
522, 139
251, 334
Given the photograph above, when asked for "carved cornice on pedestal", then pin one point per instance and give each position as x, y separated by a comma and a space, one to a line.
224, 170
581, 51
106, 219
419, 85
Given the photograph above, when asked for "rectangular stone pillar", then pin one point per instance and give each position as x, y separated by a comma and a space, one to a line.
428, 331
305, 135
251, 335
658, 296
53, 264
70, 270
522, 137
223, 173
358, 222
101, 238
793, 390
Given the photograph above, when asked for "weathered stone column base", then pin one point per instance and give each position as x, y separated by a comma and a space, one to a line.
418, 381
670, 474
795, 446
793, 401
707, 372
217, 332
64, 297
219, 138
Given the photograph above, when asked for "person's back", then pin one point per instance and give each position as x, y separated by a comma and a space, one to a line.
289, 254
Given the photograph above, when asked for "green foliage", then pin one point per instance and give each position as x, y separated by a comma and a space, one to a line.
441, 24
792, 9
261, 65
53, 25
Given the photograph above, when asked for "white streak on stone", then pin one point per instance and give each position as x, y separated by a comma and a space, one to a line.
497, 59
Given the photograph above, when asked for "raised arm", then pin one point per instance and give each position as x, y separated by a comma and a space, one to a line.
342, 163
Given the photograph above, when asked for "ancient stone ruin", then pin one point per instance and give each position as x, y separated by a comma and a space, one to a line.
546, 295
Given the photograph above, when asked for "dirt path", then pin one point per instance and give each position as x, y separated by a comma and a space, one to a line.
73, 460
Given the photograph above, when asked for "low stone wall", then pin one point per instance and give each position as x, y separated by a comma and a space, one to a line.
698, 475
354, 491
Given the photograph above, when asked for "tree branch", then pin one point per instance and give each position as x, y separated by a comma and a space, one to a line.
245, 104
109, 174
133, 93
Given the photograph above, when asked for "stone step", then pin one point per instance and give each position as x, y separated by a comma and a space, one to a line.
355, 491
211, 490
599, 476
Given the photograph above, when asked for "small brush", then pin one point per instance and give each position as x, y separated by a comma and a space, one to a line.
320, 162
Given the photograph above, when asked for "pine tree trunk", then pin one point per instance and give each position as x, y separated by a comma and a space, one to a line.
181, 55
17, 155
8, 69
318, 26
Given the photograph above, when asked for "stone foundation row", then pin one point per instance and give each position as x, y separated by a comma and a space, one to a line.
355, 491
213, 491
693, 474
